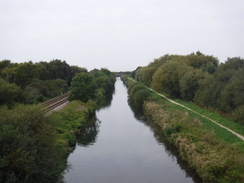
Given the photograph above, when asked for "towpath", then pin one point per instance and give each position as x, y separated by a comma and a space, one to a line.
172, 101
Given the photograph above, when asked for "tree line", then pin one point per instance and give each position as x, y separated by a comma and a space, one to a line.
30, 82
199, 78
93, 85
33, 145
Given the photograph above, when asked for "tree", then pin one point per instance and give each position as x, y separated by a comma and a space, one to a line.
30, 150
9, 74
189, 83
25, 73
9, 93
75, 70
232, 94
202, 61
167, 77
83, 87
4, 64
147, 72
138, 74
41, 69
209, 91
59, 70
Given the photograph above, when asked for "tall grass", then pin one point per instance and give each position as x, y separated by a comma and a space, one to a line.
214, 115
213, 159
222, 134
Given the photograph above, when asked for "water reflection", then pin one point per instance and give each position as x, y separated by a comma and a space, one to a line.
170, 150
107, 100
89, 133
128, 149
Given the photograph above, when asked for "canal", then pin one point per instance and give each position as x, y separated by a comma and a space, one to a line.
125, 148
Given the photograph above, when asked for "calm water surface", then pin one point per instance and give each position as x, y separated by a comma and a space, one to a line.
125, 150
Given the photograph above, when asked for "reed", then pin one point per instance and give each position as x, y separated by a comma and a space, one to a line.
213, 159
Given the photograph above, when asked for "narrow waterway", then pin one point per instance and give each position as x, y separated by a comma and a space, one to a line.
125, 150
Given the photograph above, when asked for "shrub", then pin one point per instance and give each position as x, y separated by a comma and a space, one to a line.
29, 146
135, 88
139, 97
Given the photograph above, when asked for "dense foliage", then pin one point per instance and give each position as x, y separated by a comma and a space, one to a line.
93, 85
34, 82
199, 78
34, 146
29, 146
213, 159
138, 93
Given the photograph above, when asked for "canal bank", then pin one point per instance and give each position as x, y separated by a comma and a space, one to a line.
125, 149
215, 154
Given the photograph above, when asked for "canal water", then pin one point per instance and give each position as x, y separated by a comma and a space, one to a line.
123, 147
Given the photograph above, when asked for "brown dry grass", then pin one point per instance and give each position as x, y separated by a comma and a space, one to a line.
214, 161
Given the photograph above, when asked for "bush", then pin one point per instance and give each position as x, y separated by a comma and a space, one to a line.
83, 87
9, 93
135, 88
29, 146
213, 159
139, 97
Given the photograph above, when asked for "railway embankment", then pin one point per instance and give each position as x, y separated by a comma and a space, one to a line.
56, 102
35, 146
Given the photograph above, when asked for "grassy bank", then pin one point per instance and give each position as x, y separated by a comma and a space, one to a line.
216, 154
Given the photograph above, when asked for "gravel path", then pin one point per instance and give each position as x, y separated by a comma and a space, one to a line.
237, 134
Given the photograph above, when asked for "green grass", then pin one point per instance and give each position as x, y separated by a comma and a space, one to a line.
214, 116
221, 133
215, 153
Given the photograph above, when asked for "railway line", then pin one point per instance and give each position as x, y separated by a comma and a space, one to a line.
55, 102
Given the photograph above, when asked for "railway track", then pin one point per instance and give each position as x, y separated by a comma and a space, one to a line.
55, 102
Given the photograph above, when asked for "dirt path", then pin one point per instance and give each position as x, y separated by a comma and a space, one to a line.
237, 134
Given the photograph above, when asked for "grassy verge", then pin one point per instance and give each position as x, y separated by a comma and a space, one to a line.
221, 134
214, 116
214, 160
215, 153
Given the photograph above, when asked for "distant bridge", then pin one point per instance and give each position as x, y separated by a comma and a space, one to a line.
122, 73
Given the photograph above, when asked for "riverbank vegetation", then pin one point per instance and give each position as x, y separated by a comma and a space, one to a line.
32, 83
93, 85
34, 144
216, 154
201, 79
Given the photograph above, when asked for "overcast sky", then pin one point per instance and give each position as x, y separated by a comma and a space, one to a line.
119, 34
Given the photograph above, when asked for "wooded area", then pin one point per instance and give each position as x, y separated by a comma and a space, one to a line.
31, 83
201, 79
93, 85
33, 145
